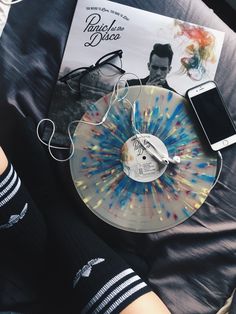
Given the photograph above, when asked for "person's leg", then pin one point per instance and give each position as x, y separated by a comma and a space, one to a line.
148, 303
21, 224
98, 279
22, 242
3, 161
82, 265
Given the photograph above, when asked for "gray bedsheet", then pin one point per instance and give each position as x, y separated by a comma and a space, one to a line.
192, 266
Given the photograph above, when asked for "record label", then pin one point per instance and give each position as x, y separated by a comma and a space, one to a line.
137, 162
131, 192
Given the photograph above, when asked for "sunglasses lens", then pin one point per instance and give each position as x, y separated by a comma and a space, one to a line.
74, 80
91, 84
109, 68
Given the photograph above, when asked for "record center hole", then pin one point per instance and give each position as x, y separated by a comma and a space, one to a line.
144, 157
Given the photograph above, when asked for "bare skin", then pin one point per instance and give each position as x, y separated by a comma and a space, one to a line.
159, 68
148, 303
3, 161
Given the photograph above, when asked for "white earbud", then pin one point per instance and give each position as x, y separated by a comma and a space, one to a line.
174, 160
163, 159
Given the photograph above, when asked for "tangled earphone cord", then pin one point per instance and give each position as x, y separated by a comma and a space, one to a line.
113, 98
50, 147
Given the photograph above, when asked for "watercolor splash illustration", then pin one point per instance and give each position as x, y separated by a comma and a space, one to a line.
97, 169
199, 50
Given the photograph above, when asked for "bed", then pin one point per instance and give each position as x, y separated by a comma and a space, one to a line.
192, 266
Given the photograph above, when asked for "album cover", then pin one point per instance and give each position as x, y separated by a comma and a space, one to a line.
107, 39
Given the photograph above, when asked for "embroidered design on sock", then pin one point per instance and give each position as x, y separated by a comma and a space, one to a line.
15, 218
86, 269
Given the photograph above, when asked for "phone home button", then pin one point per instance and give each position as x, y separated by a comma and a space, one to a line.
225, 142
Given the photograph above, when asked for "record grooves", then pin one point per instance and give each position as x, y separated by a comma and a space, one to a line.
152, 202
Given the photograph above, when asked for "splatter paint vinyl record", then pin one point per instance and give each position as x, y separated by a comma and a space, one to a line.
117, 172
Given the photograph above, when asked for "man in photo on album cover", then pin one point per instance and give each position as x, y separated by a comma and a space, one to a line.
159, 66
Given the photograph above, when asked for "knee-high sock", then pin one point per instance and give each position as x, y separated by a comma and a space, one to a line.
100, 280
22, 227
23, 236
95, 277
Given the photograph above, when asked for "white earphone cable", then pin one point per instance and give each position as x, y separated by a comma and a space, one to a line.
113, 98
10, 2
219, 171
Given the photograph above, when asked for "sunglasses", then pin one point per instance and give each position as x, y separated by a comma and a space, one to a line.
107, 65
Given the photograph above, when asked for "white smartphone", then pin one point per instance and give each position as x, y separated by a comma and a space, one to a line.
213, 115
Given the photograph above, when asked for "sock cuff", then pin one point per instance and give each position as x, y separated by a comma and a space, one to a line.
10, 183
13, 206
119, 291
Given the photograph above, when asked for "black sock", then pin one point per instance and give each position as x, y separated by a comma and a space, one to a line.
22, 228
23, 243
95, 277
100, 280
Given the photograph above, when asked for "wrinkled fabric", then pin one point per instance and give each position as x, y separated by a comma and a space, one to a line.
192, 266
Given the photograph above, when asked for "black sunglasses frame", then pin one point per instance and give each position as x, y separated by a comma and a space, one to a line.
85, 70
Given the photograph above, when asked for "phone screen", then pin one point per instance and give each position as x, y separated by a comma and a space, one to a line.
213, 115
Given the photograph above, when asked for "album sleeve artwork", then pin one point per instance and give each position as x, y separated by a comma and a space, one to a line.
90, 66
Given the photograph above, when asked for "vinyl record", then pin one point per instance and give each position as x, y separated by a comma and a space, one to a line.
118, 179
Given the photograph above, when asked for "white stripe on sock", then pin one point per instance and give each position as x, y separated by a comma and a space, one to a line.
9, 186
107, 286
125, 296
12, 194
7, 177
115, 292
